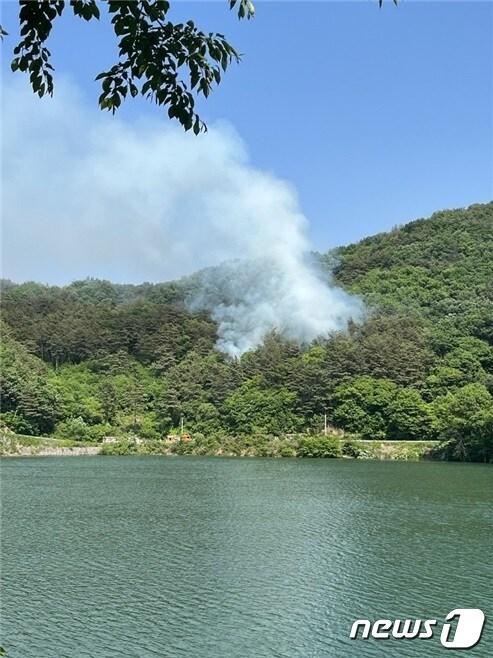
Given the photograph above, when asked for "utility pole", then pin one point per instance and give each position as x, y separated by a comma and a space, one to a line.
181, 424
325, 424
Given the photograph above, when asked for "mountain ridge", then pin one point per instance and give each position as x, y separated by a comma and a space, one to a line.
131, 358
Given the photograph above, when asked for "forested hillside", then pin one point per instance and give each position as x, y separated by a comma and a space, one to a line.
94, 359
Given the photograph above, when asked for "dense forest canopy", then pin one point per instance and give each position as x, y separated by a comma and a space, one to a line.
93, 358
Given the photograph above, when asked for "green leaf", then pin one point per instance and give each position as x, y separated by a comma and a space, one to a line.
150, 50
194, 78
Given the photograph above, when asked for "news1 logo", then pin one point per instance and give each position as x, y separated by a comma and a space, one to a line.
468, 623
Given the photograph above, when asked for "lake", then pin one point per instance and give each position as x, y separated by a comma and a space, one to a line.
236, 558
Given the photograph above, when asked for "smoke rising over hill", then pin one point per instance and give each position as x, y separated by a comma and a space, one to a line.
248, 299
86, 194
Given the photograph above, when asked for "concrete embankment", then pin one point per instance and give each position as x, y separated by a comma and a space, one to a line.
17, 446
33, 451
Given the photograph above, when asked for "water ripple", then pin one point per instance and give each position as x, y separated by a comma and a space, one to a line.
229, 558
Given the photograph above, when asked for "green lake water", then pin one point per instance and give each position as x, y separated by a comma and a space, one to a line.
200, 557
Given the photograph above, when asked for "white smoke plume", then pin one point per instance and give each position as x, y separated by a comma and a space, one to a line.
86, 194
282, 292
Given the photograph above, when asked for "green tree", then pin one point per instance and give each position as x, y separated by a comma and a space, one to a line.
252, 408
362, 405
409, 416
29, 401
108, 398
379, 409
202, 417
319, 446
73, 428
312, 381
77, 392
465, 418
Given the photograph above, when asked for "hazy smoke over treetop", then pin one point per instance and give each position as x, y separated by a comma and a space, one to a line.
85, 194
248, 299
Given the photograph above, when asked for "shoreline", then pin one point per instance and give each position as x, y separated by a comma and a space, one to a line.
299, 448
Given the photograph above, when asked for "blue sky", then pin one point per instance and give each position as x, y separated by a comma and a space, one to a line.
375, 116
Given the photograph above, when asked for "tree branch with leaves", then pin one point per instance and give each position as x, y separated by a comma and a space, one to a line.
169, 63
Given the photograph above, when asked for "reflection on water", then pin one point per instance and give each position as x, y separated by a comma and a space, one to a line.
238, 558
